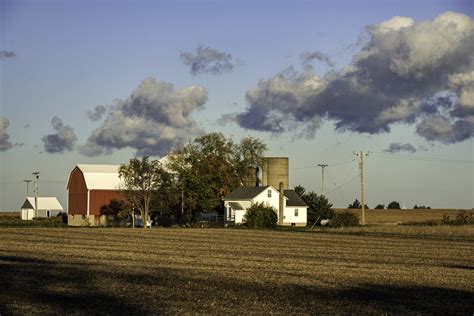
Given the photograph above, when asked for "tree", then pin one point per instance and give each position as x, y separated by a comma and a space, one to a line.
357, 205
318, 205
394, 205
380, 207
143, 180
212, 166
260, 215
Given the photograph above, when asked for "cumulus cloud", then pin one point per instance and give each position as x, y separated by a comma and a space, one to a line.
6, 54
62, 140
5, 144
97, 114
398, 147
153, 119
406, 72
207, 60
308, 57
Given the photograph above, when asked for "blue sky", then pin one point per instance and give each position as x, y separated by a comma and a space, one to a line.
67, 57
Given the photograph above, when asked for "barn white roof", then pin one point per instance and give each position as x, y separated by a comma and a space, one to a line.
44, 203
104, 177
101, 177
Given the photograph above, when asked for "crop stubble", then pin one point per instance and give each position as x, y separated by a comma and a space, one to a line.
47, 270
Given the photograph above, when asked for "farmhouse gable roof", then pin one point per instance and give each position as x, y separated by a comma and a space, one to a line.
44, 203
245, 193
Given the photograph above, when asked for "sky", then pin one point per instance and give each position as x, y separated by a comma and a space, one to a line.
104, 81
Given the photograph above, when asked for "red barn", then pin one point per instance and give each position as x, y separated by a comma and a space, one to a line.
89, 189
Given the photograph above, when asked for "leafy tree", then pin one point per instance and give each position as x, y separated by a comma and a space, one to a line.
318, 205
212, 166
394, 205
143, 181
380, 207
357, 205
260, 215
113, 208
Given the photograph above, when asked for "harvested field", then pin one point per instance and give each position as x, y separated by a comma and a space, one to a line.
236, 271
377, 217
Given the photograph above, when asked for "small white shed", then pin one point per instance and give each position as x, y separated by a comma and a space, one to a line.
47, 207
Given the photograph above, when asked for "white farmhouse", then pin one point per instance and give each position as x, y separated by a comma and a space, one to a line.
47, 207
290, 208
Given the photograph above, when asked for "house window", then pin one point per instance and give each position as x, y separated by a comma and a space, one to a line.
296, 212
269, 193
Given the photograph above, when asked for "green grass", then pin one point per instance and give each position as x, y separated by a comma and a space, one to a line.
231, 271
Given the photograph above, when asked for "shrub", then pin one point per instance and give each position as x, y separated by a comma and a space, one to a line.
462, 218
345, 219
380, 207
260, 215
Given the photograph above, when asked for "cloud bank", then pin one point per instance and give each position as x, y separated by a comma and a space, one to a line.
153, 119
5, 144
412, 73
6, 54
207, 60
398, 147
63, 140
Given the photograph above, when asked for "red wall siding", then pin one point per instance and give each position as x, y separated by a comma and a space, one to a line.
77, 193
101, 198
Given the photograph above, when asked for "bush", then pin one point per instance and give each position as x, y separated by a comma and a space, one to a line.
260, 215
345, 219
380, 207
462, 218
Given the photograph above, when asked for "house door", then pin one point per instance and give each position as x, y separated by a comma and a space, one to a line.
48, 214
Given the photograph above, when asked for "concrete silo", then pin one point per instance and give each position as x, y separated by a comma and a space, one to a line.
273, 171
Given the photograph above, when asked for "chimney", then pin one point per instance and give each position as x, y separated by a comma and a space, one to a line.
280, 204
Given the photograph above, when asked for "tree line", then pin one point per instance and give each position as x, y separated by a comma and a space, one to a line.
394, 205
195, 178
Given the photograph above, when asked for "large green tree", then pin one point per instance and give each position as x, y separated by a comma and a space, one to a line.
212, 166
143, 181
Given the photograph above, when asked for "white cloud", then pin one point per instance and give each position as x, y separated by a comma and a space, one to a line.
153, 119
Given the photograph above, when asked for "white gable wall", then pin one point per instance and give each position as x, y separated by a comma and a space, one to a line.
289, 217
239, 215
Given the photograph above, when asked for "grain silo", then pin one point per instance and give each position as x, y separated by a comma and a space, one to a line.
273, 171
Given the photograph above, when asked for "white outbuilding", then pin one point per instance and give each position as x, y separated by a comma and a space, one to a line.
47, 207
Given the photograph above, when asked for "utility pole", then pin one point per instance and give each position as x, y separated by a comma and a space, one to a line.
322, 165
27, 186
361, 155
36, 174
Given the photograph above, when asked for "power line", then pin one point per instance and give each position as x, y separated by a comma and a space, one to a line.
340, 186
329, 165
419, 158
